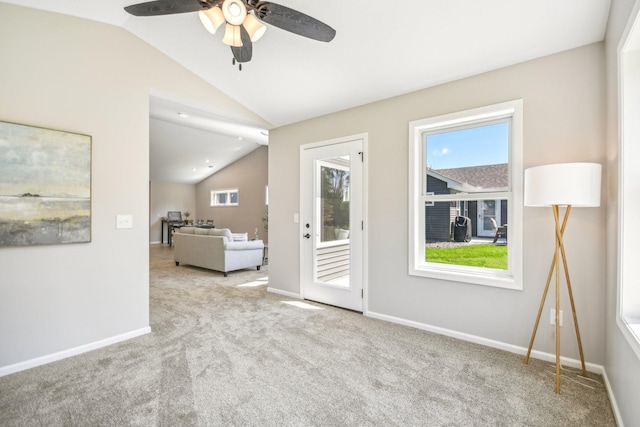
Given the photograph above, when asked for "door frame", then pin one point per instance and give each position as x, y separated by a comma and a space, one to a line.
365, 211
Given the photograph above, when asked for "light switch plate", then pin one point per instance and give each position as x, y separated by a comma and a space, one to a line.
124, 221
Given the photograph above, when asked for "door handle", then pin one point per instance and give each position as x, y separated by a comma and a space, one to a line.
307, 235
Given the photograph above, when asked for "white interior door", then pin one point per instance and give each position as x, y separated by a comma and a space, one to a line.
488, 209
332, 223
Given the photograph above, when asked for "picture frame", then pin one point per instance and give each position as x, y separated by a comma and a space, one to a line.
45, 186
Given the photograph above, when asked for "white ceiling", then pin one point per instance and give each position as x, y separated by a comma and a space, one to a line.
381, 49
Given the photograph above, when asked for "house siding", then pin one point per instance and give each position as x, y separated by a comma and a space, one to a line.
437, 223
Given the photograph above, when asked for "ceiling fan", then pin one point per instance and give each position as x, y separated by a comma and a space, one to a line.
243, 20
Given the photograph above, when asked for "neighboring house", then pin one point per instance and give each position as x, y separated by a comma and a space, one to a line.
476, 179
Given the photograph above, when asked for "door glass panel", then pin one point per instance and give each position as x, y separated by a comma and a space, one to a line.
333, 246
487, 213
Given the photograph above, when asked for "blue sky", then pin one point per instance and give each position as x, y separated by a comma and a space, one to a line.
485, 145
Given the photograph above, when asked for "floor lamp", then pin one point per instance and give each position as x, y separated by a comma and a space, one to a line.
570, 185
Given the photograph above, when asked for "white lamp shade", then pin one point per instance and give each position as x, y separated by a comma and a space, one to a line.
232, 36
211, 19
575, 184
255, 28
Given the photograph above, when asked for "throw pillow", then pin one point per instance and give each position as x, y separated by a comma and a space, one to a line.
240, 237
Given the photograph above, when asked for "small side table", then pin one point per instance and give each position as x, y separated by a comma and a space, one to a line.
265, 254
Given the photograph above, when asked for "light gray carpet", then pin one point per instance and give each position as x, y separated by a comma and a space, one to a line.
226, 355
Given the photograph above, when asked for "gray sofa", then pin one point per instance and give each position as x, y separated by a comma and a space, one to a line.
215, 249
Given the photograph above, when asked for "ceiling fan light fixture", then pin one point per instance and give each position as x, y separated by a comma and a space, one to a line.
232, 35
255, 28
211, 18
234, 11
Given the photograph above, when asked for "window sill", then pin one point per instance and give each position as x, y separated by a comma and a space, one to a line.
630, 327
484, 277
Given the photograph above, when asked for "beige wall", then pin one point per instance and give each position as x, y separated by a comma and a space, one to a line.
622, 364
165, 197
250, 176
564, 121
72, 74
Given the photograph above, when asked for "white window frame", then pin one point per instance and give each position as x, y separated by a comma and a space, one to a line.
628, 287
511, 278
214, 197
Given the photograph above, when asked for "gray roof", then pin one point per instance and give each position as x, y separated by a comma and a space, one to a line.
486, 176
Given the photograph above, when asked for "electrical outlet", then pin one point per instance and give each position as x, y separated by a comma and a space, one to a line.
124, 221
553, 317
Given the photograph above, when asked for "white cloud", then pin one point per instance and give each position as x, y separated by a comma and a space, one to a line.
443, 152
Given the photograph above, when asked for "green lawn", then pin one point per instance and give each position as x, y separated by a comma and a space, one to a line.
488, 256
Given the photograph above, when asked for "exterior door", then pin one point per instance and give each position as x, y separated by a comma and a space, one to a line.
332, 224
487, 210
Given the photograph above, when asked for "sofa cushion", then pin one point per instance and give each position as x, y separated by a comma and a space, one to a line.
187, 230
243, 246
240, 237
224, 232
201, 232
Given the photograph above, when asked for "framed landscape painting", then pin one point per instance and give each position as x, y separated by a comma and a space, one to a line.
45, 186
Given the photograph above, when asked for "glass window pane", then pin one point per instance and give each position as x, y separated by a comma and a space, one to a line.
477, 238
233, 198
471, 160
222, 198
334, 203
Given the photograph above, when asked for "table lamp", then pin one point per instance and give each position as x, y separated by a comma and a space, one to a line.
556, 185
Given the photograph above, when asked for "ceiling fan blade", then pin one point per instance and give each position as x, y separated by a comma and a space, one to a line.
244, 53
165, 7
294, 21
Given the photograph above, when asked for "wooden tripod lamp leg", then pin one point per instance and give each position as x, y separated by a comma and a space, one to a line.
557, 264
573, 306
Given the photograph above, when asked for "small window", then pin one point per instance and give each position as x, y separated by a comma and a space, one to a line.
465, 193
224, 197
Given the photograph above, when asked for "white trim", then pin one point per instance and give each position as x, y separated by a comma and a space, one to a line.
632, 25
612, 398
365, 220
43, 360
285, 293
548, 357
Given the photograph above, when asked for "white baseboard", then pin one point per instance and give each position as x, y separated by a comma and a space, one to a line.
285, 293
43, 360
591, 367
612, 398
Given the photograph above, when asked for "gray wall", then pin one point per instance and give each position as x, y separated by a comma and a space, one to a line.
564, 121
165, 197
622, 364
250, 176
73, 74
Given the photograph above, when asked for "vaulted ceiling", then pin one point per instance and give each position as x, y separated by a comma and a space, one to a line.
381, 49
